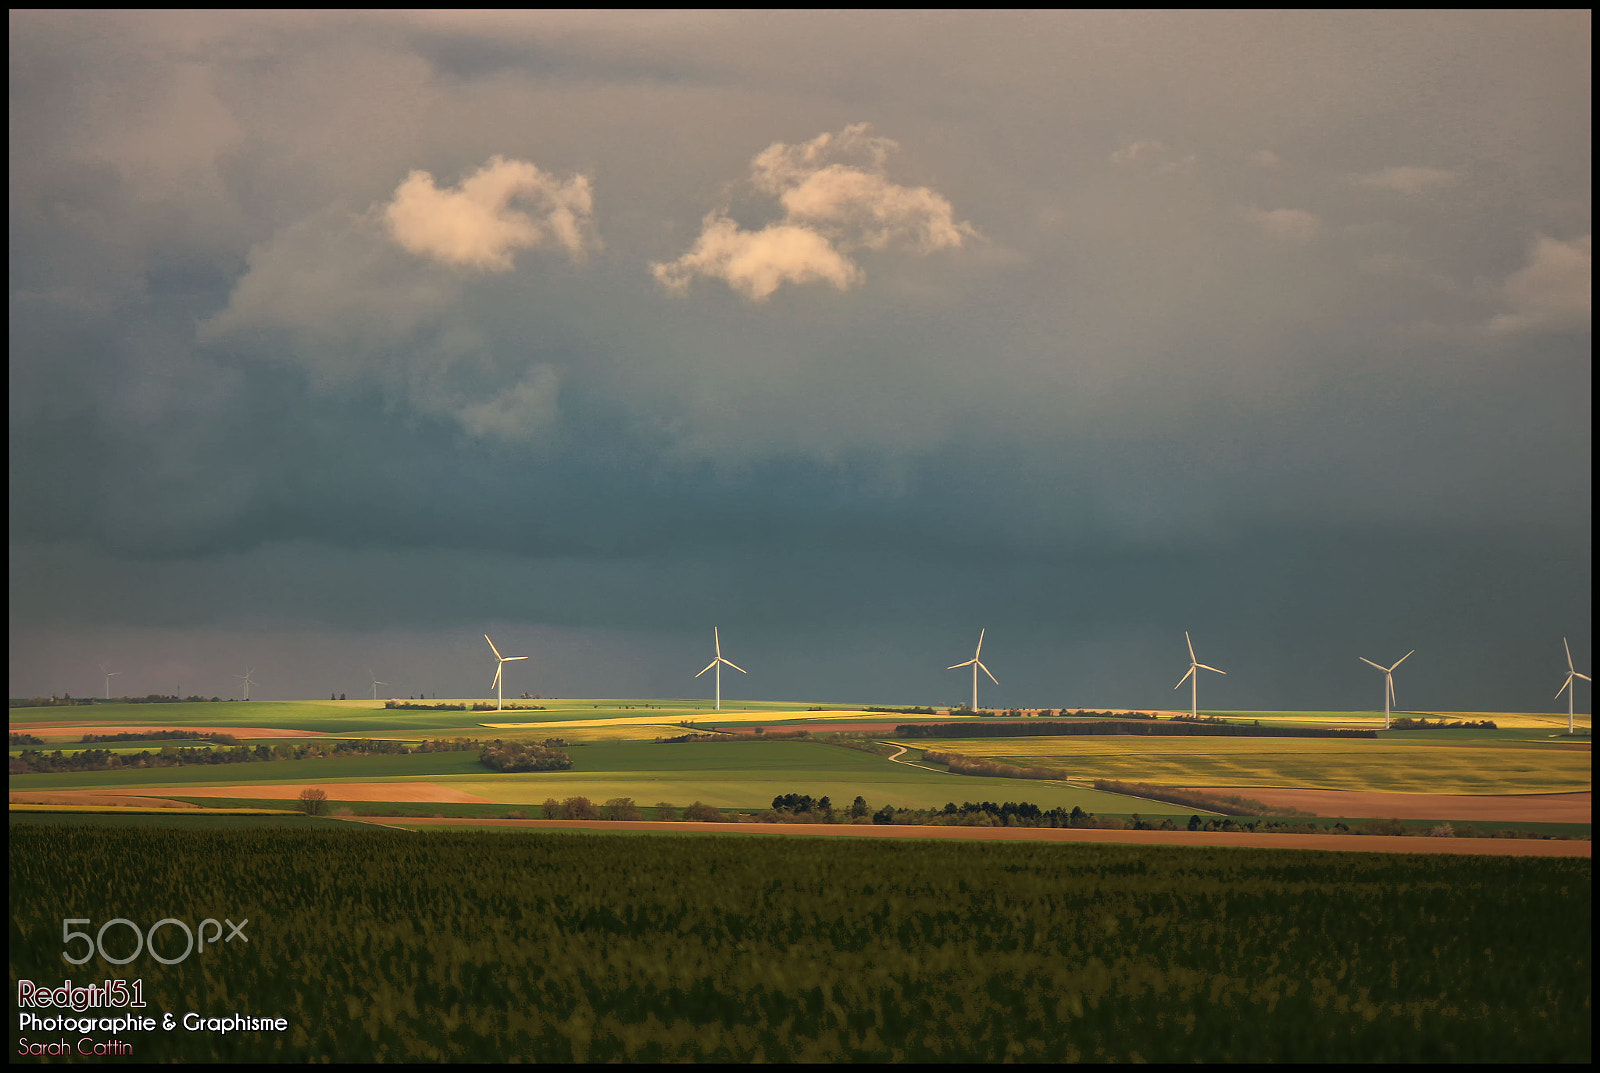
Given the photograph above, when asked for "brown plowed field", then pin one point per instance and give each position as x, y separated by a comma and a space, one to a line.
1517, 847
65, 730
1531, 808
337, 791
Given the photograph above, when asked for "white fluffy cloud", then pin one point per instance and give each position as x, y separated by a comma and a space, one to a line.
836, 199
476, 225
1150, 155
1286, 225
1408, 180
1551, 293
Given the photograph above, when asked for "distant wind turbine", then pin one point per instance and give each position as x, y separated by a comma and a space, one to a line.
1567, 686
376, 683
499, 678
976, 664
1388, 680
112, 674
1192, 678
716, 640
247, 682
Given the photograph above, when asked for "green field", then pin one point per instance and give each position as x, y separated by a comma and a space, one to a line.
614, 756
382, 945
1415, 764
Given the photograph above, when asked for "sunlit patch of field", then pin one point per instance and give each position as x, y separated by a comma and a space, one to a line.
1374, 720
1398, 766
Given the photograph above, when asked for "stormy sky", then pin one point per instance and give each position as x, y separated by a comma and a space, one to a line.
338, 340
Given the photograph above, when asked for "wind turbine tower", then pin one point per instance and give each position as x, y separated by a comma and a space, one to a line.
112, 674
499, 677
1193, 678
976, 663
1567, 686
716, 640
1388, 680
247, 682
376, 683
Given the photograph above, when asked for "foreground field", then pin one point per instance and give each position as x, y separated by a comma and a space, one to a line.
380, 945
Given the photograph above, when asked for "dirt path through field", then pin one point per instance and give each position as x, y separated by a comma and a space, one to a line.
1516, 847
1528, 808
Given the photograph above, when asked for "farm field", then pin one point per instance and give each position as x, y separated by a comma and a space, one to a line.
1360, 720
1434, 765
383, 945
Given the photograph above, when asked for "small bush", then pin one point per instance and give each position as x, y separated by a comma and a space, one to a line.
666, 810
702, 813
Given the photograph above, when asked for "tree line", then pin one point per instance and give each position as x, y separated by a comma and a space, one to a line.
1017, 730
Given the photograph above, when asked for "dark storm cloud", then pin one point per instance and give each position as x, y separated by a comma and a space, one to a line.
1272, 327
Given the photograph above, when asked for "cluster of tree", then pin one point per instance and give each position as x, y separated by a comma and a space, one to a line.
1405, 722
972, 765
990, 814
159, 735
1231, 804
35, 760
581, 808
418, 707
801, 803
1082, 713
966, 712
1012, 730
525, 756
693, 737
1215, 719
68, 700
25, 739
485, 706
902, 711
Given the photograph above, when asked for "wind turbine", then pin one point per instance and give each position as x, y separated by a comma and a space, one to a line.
1388, 678
247, 682
716, 639
112, 674
976, 663
499, 679
1567, 686
376, 683
1194, 679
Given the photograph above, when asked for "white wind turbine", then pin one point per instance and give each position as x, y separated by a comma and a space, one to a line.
376, 683
1193, 678
976, 663
499, 679
247, 682
112, 674
716, 640
1388, 680
1567, 686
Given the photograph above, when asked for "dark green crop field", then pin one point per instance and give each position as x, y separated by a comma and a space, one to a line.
382, 945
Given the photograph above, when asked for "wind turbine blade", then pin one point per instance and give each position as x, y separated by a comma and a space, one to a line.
1564, 687
716, 639
496, 651
1391, 691
979, 652
985, 670
1369, 663
1575, 674
1209, 668
1403, 658
708, 666
969, 663
1190, 644
508, 659
1569, 652
734, 665
1185, 677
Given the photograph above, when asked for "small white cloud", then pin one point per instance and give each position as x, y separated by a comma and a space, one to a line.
836, 199
756, 263
1151, 155
1286, 225
525, 408
1551, 293
1408, 180
477, 226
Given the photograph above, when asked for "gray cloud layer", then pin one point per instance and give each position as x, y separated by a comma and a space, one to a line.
1104, 325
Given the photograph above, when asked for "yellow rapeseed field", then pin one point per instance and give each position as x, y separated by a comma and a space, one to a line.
1393, 766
